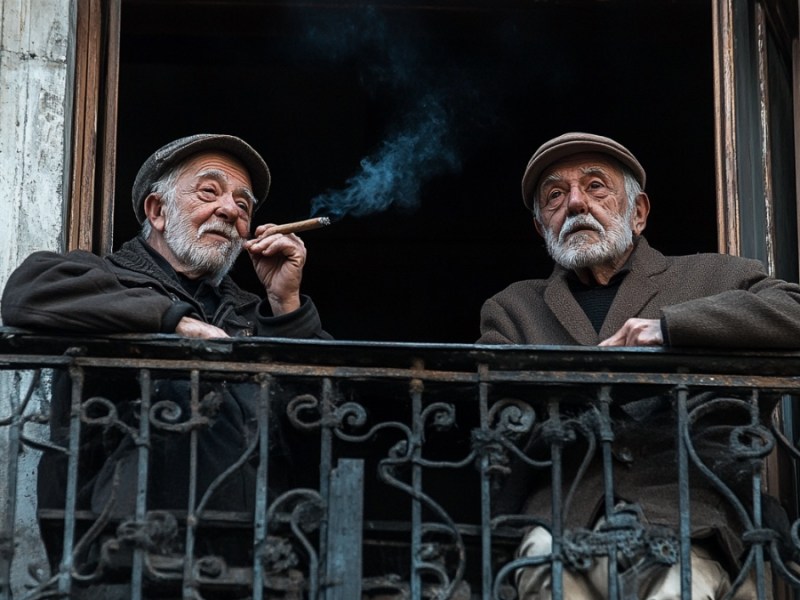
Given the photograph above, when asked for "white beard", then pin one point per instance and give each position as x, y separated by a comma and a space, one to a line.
579, 251
213, 258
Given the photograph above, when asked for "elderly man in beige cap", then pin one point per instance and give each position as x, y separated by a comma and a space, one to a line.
610, 288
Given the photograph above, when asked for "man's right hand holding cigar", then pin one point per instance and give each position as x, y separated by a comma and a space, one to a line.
278, 260
278, 257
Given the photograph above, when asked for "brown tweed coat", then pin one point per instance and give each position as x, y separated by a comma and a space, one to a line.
703, 300
706, 300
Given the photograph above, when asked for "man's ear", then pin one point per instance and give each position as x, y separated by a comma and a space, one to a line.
154, 211
640, 212
538, 226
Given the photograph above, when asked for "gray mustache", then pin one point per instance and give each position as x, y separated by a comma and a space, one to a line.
225, 229
576, 222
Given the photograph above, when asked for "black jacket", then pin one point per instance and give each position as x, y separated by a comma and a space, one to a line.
130, 292
134, 291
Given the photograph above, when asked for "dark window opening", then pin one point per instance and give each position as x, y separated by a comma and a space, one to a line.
464, 92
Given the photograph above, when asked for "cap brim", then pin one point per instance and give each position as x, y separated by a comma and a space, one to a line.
541, 161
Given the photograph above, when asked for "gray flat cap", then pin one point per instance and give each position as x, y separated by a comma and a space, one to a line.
171, 154
575, 143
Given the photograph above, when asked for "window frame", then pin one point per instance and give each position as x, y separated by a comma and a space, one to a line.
95, 88
743, 155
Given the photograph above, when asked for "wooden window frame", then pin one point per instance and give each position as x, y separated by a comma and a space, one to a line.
732, 63
94, 144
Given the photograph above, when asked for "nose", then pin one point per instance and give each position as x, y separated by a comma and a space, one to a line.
226, 207
577, 202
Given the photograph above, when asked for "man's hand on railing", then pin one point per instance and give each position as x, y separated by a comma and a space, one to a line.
637, 332
189, 327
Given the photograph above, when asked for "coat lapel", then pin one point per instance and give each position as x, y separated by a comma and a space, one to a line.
567, 311
637, 289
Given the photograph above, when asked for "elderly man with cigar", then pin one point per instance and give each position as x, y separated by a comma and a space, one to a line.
195, 198
610, 288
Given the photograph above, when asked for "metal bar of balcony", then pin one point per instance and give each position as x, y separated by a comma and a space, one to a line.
364, 469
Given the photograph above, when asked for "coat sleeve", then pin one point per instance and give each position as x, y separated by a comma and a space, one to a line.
497, 325
303, 323
758, 311
78, 292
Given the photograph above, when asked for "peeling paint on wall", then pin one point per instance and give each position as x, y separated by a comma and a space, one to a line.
34, 38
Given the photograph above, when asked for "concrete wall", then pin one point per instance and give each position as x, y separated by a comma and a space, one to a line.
34, 38
35, 84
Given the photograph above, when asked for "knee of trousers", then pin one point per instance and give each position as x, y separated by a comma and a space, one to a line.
536, 542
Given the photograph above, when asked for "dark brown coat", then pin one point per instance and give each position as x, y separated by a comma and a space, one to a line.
703, 300
706, 300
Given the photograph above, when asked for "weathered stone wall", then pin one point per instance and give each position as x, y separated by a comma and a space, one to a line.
35, 45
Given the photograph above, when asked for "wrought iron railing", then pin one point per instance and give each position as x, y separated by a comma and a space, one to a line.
372, 470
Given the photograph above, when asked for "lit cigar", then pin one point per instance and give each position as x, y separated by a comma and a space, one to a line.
298, 226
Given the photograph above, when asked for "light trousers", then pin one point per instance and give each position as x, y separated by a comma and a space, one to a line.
710, 581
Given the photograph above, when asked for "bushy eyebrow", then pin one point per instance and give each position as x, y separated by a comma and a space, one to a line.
595, 171
222, 178
552, 178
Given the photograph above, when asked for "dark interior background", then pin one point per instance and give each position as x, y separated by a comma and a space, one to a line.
463, 91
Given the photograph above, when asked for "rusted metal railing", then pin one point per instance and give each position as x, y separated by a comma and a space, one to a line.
370, 470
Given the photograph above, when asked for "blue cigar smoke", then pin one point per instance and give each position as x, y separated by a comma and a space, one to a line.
394, 175
419, 144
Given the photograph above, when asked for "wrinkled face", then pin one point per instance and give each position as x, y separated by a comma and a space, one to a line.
208, 219
583, 211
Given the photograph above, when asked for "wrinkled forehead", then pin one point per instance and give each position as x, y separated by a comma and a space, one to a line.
219, 165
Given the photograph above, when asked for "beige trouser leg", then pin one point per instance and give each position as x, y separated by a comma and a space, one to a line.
709, 580
535, 583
